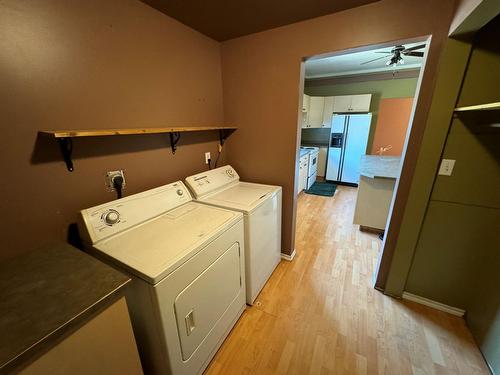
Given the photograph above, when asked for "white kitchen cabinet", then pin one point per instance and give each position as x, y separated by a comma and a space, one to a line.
342, 103
305, 103
322, 157
361, 103
304, 120
305, 109
328, 112
352, 103
315, 113
303, 167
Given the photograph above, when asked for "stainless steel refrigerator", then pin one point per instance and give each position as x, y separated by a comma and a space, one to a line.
348, 140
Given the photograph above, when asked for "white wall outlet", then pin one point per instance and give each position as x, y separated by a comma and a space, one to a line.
207, 157
446, 168
109, 179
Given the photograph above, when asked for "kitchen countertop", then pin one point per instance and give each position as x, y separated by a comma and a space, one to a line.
46, 294
375, 166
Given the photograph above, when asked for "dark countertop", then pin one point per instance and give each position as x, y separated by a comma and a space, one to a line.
375, 166
314, 144
46, 293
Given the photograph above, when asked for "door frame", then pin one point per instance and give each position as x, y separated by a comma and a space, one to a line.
403, 182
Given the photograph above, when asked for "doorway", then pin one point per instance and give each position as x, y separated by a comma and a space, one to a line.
357, 109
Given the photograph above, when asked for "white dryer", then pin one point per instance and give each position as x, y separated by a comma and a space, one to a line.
261, 207
186, 260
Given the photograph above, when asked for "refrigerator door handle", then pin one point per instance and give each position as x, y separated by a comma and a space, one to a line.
343, 143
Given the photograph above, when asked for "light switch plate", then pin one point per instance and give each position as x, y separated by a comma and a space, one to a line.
446, 168
207, 157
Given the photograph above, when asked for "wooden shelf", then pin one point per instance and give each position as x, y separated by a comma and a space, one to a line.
64, 137
479, 107
70, 133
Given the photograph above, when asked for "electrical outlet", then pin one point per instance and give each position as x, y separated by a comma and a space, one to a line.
446, 168
207, 157
112, 174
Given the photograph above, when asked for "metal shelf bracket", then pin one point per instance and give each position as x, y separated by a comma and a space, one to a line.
222, 136
66, 146
174, 139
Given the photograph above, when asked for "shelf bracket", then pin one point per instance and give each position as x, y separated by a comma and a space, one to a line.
66, 146
174, 139
222, 136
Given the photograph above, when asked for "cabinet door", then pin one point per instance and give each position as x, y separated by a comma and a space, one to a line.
342, 103
304, 178
304, 120
301, 178
360, 103
328, 112
305, 103
315, 114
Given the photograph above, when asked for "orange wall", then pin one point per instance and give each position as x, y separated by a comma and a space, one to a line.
95, 64
393, 118
262, 83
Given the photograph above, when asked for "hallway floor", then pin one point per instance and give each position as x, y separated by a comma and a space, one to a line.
320, 315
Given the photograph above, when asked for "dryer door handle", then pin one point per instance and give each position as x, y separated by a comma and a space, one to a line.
189, 319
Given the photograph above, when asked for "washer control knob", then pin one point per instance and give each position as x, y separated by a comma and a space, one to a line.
111, 217
180, 192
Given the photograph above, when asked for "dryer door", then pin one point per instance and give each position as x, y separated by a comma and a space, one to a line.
203, 302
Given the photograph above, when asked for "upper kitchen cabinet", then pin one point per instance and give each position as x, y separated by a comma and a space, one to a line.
352, 103
328, 112
315, 113
305, 103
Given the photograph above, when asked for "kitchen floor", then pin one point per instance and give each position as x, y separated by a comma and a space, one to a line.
320, 315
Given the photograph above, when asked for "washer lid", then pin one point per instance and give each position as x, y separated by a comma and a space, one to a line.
155, 248
244, 196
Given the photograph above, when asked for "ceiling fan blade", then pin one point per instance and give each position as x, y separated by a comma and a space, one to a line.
369, 61
419, 54
386, 52
414, 48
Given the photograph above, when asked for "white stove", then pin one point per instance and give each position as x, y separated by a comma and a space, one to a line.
312, 170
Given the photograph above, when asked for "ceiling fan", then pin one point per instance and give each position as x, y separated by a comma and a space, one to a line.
397, 54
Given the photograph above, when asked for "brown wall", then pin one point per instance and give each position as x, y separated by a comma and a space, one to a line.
392, 124
95, 64
262, 82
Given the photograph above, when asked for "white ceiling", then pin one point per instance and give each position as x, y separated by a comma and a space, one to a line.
349, 64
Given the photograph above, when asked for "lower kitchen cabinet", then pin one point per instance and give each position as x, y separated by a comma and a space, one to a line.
303, 168
103, 345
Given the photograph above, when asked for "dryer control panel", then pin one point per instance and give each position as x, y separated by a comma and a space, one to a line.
107, 219
205, 183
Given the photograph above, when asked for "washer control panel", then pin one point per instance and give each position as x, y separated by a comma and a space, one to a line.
207, 182
110, 218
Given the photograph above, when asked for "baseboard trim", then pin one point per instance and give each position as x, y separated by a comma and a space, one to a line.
435, 305
288, 257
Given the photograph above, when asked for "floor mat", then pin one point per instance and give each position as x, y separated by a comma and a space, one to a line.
325, 189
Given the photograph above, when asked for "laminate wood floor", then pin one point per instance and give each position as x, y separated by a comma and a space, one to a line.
320, 315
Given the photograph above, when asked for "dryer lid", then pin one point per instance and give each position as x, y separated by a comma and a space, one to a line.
154, 249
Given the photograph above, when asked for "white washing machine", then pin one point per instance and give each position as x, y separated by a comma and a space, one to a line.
261, 208
187, 264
